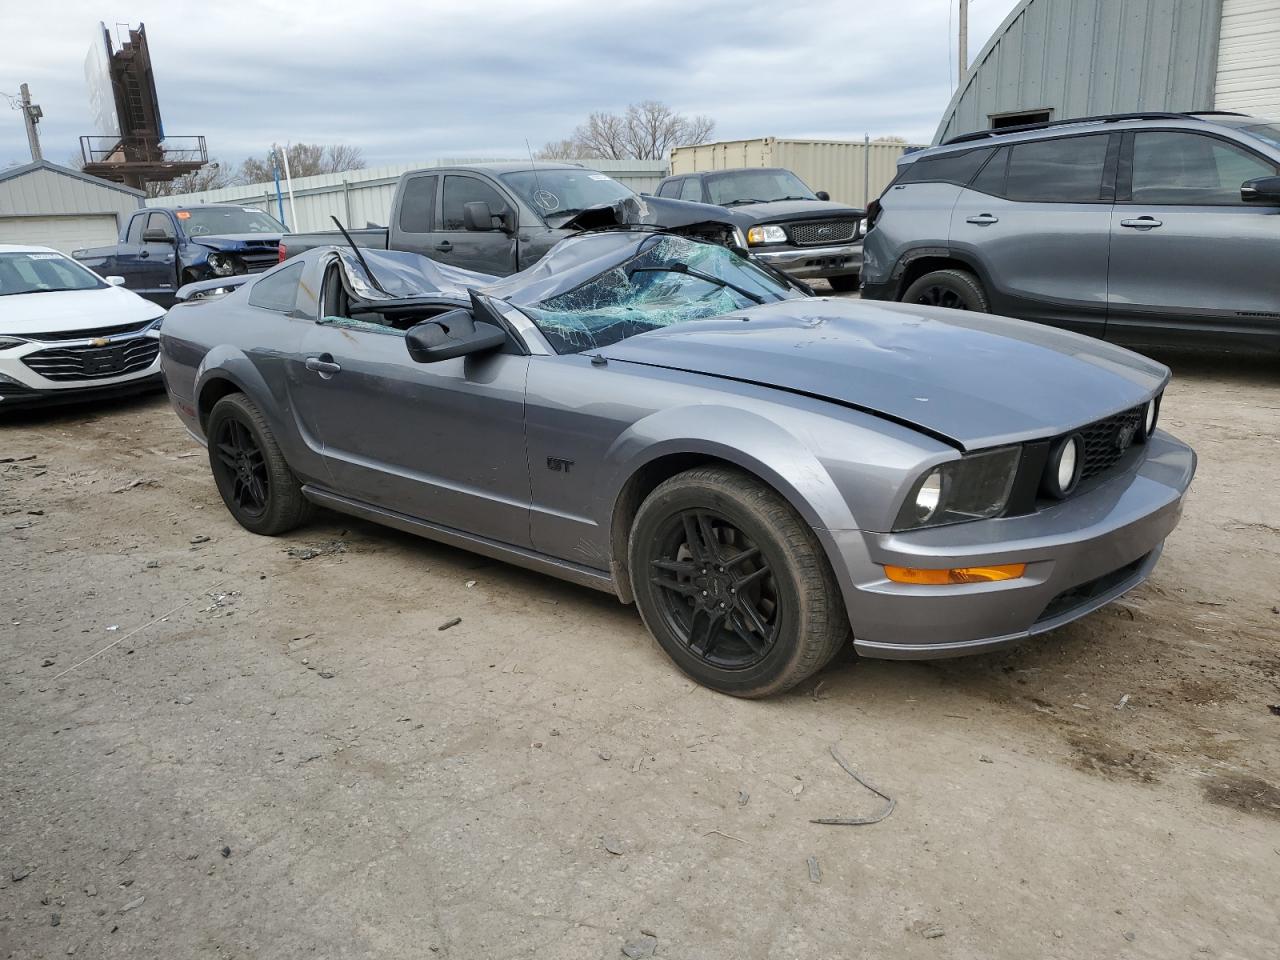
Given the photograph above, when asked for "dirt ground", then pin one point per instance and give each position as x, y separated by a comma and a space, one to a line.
219, 745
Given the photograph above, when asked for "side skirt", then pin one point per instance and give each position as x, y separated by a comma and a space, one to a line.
519, 556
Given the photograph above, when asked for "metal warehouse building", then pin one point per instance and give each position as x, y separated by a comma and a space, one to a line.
51, 206
1058, 59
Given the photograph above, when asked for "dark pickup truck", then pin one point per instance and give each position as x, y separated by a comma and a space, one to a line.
162, 248
499, 218
800, 232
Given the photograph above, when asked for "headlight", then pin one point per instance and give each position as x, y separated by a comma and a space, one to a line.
7, 342
222, 264
1065, 462
972, 488
1150, 417
156, 323
759, 235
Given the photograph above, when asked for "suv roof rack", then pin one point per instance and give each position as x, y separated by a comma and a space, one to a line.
1105, 118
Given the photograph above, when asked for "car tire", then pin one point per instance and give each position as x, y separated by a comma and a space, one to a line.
954, 289
251, 474
845, 283
733, 583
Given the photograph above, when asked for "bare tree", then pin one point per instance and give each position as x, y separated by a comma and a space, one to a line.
305, 160
648, 130
889, 139
212, 176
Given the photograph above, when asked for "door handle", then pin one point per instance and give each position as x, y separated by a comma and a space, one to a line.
444, 246
983, 219
143, 255
1142, 223
323, 365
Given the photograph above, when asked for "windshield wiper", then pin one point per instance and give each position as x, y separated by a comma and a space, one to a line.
709, 278
734, 203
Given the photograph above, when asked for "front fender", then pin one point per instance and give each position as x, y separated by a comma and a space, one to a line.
744, 438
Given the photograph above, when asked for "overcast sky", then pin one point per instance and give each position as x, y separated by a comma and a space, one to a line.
417, 81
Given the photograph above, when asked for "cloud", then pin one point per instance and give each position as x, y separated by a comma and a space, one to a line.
408, 83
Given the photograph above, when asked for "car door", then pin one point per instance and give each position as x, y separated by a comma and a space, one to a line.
156, 270
125, 263
488, 251
1191, 260
442, 442
1037, 218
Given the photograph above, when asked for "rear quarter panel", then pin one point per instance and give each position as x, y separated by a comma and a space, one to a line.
915, 216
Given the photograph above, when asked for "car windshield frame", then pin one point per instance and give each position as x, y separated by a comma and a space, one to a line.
544, 191
7, 271
667, 280
194, 216
798, 189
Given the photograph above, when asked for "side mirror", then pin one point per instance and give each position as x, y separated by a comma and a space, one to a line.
452, 334
1261, 190
822, 195
153, 235
114, 281
477, 215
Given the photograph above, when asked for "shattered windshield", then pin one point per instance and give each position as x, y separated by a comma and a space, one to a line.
560, 194
670, 281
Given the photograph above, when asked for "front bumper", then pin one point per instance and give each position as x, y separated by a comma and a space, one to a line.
1080, 554
23, 385
810, 263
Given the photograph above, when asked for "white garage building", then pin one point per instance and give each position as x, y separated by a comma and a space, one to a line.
52, 206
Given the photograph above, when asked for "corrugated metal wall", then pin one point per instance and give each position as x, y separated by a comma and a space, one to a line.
843, 168
45, 192
1087, 57
1249, 58
358, 197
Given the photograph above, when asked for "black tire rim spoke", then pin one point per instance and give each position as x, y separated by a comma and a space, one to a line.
942, 297
240, 466
715, 589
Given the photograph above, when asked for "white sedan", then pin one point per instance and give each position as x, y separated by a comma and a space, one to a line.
67, 334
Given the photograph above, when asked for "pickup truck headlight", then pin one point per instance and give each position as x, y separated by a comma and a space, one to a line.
222, 264
758, 235
974, 487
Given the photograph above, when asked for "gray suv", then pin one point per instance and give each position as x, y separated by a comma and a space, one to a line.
1140, 228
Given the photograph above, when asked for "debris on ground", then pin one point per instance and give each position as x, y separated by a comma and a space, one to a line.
470, 583
90, 890
743, 797
1274, 708
857, 821
815, 872
1120, 705
325, 549
641, 947
983, 758
20, 873
451, 622
721, 833
613, 845
55, 920
933, 931
1130, 936
326, 674
139, 482
200, 538
226, 852
151, 565
133, 904
186, 701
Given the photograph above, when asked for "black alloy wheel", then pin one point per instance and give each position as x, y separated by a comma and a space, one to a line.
952, 288
717, 591
241, 466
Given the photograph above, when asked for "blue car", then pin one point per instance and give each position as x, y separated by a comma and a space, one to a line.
162, 249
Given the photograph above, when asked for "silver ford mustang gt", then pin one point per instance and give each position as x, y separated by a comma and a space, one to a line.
766, 474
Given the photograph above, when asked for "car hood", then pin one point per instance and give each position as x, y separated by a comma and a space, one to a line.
971, 379
62, 311
236, 241
776, 210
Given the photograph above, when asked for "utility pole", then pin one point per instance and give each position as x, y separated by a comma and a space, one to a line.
31, 114
964, 38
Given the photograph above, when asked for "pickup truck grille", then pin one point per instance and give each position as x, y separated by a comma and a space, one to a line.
817, 232
258, 262
88, 362
116, 331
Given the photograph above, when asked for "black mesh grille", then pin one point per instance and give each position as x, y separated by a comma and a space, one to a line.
1105, 441
1084, 593
116, 331
823, 231
94, 363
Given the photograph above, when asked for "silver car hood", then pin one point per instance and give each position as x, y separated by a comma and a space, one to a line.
972, 379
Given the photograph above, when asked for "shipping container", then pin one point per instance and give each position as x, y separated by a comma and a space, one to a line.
851, 171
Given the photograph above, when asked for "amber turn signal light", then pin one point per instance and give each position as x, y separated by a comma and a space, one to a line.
937, 578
